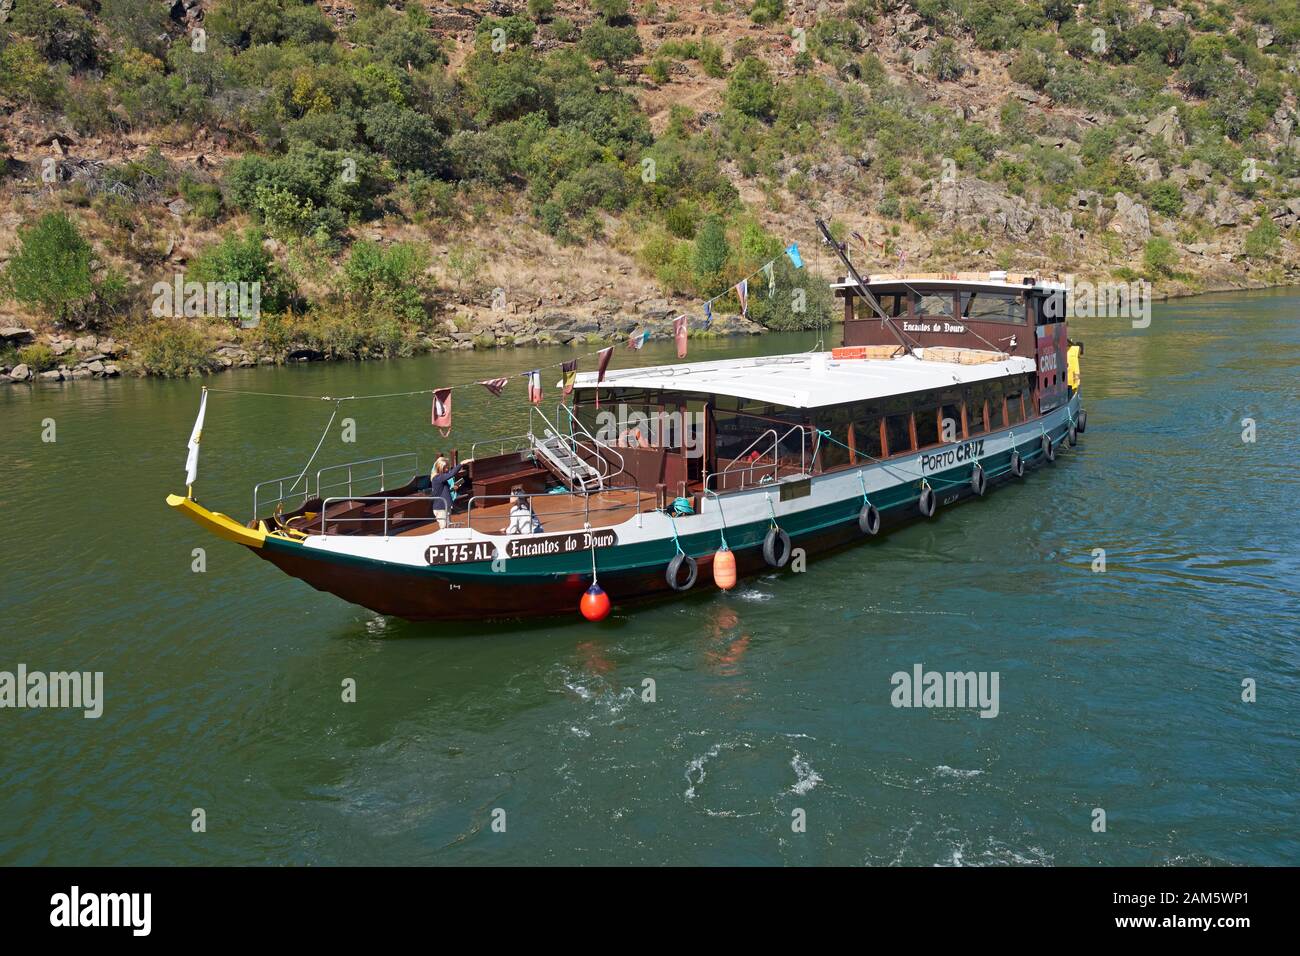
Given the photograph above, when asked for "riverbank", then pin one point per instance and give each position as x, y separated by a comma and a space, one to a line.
184, 348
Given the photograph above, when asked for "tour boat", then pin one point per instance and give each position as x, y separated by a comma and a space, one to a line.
654, 481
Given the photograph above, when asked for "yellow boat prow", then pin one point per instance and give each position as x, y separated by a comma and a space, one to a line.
221, 525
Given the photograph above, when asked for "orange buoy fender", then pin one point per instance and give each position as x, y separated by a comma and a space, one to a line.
595, 604
724, 569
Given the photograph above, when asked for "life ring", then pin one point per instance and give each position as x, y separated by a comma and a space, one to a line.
1049, 449
674, 572
869, 519
927, 503
1083, 421
978, 481
776, 538
1074, 435
1017, 465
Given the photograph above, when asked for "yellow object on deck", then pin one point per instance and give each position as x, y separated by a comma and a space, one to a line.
1072, 366
221, 525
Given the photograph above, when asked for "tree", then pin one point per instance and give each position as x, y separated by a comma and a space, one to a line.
244, 259
613, 45
409, 139
750, 89
711, 253
51, 269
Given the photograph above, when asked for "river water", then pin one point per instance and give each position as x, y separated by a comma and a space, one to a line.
1118, 690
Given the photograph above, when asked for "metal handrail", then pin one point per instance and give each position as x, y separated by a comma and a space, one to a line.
574, 420
551, 431
520, 443
386, 499
281, 496
748, 468
382, 475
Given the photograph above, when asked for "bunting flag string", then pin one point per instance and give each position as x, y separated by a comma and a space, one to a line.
497, 385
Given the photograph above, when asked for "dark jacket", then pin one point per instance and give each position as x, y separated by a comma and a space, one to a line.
440, 487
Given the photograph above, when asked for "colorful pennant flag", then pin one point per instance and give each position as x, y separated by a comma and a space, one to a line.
742, 293
442, 410
602, 363
638, 339
679, 335
770, 272
535, 386
495, 385
792, 251
708, 313
570, 370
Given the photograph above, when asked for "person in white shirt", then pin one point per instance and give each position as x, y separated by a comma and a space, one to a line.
522, 518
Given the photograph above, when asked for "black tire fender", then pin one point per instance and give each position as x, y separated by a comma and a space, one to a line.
1074, 435
979, 482
673, 574
869, 519
776, 538
1083, 421
1017, 465
1049, 448
927, 503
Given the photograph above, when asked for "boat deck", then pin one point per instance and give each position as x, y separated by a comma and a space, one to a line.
410, 516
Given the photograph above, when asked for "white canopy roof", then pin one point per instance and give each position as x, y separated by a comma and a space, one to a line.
808, 379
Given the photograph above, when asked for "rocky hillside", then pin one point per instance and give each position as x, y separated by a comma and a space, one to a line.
415, 176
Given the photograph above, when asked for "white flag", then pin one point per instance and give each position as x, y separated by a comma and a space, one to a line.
192, 459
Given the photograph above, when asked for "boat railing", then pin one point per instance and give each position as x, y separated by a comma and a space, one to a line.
765, 471
467, 519
303, 487
390, 503
569, 448
380, 469
503, 446
261, 492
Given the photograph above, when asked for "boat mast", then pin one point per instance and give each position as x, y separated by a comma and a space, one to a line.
862, 286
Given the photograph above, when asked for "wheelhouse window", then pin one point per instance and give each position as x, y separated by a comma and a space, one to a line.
1006, 307
893, 303
950, 411
1050, 308
938, 304
833, 451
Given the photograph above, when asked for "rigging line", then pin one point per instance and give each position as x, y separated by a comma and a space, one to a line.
318, 445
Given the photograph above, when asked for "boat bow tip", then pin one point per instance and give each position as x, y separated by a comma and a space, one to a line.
221, 525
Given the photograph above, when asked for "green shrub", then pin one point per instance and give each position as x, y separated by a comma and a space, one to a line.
767, 11
1264, 240
563, 29
51, 269
387, 281
750, 89
611, 45
170, 348
611, 10
1160, 257
38, 357
1166, 199
62, 34
712, 251
243, 258
541, 10
410, 139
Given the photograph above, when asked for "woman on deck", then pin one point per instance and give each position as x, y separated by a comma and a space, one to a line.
523, 520
442, 486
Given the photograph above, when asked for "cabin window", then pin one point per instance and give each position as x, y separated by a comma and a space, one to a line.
834, 451
993, 307
898, 433
927, 426
1015, 408
933, 304
1050, 309
951, 413
866, 433
976, 411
